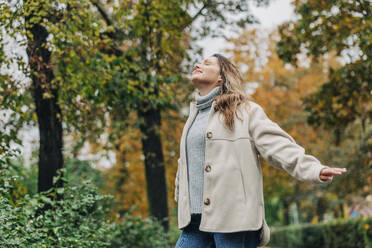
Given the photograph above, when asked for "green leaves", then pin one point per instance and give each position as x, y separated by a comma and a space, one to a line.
344, 98
336, 26
78, 220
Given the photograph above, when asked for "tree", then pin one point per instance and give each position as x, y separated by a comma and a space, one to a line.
343, 27
47, 30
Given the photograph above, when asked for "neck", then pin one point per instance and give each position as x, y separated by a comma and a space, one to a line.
204, 101
206, 89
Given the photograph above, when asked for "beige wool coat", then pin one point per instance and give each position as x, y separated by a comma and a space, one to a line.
233, 190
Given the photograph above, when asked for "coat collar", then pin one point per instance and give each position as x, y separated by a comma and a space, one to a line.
194, 109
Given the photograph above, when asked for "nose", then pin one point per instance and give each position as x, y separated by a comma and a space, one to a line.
196, 66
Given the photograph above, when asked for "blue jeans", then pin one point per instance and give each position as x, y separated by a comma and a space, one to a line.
192, 237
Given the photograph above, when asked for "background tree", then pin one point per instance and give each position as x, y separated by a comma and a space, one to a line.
56, 36
344, 102
343, 27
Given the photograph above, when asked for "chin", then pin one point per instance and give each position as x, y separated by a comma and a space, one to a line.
197, 78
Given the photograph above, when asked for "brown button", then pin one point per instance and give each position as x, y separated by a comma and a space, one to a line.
207, 201
209, 134
207, 168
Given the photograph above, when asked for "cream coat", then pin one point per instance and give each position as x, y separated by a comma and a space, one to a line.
233, 193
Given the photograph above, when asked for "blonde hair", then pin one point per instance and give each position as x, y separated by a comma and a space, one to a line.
232, 93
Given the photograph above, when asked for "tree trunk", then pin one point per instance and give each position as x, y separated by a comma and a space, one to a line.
47, 109
320, 208
150, 122
286, 217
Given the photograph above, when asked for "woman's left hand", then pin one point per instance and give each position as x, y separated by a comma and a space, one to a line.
327, 173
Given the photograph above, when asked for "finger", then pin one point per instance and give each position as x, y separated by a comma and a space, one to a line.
326, 177
329, 172
339, 169
332, 171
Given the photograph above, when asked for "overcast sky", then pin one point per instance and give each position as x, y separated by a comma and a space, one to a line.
278, 12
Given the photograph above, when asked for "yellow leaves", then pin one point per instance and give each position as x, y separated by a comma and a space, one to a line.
47, 95
320, 105
35, 19
122, 146
110, 29
29, 34
315, 219
337, 106
72, 53
350, 102
6, 15
344, 112
111, 58
366, 226
131, 86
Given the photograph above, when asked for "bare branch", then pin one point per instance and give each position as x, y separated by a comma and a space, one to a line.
207, 4
102, 12
113, 35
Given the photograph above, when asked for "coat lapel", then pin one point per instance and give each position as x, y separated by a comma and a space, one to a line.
192, 114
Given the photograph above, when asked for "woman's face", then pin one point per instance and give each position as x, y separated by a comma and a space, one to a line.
206, 72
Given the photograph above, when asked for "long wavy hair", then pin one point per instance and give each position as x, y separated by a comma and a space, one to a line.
232, 93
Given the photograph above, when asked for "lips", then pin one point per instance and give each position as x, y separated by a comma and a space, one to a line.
197, 71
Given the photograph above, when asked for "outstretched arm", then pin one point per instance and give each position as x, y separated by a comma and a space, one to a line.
281, 151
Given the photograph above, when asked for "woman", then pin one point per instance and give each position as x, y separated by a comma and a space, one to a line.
219, 177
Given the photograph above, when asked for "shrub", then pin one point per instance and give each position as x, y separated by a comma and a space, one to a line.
337, 233
72, 216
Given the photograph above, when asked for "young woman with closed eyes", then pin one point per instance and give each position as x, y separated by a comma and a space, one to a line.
219, 177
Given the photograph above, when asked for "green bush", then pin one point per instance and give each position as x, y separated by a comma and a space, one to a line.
337, 233
368, 232
72, 216
75, 172
345, 233
135, 232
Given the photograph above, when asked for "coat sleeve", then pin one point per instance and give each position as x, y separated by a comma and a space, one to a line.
280, 150
176, 190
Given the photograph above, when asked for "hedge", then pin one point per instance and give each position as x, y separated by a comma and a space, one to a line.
338, 233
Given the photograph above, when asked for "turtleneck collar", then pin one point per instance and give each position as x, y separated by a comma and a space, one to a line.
205, 101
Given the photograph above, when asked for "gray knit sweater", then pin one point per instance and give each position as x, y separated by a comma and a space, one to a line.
195, 149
